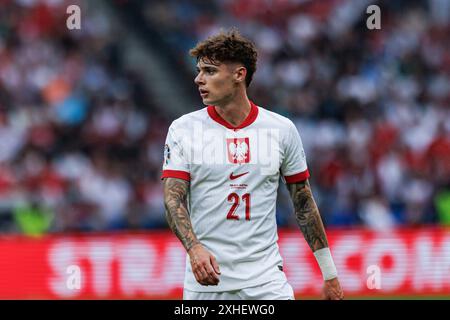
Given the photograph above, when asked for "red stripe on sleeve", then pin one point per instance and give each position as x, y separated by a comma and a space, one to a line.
176, 174
302, 176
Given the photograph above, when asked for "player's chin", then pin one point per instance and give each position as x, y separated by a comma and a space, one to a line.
210, 100
207, 101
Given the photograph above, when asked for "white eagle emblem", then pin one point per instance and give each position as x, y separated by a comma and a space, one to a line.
238, 151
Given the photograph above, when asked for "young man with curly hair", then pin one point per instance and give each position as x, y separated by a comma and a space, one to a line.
221, 172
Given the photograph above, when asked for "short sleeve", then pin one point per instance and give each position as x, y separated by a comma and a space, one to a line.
175, 164
294, 168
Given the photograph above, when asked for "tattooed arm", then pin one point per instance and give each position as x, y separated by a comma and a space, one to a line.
204, 264
310, 223
307, 215
175, 202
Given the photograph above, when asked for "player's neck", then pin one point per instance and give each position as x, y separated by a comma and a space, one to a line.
235, 111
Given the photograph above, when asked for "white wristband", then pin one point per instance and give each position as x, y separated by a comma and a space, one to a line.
326, 264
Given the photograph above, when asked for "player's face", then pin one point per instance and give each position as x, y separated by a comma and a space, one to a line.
217, 84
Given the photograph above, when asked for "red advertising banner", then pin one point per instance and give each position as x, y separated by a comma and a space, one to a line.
151, 265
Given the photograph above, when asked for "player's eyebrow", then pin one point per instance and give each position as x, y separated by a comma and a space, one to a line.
206, 67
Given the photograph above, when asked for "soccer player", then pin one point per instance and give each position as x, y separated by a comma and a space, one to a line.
221, 172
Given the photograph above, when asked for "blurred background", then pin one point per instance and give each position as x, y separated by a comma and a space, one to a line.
84, 116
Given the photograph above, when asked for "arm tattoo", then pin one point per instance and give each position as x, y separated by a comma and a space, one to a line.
177, 215
307, 215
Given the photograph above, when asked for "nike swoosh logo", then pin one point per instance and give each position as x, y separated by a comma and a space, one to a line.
232, 177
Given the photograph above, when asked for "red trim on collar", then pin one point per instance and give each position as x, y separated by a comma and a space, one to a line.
248, 121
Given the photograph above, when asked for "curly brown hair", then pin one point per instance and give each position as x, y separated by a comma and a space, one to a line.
228, 47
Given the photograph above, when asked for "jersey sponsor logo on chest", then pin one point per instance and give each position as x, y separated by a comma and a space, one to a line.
233, 176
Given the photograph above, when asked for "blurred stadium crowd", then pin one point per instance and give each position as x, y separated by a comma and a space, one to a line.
81, 141
78, 149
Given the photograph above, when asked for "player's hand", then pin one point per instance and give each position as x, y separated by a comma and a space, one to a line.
332, 290
204, 265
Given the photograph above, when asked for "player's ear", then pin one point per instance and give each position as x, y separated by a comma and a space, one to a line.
239, 74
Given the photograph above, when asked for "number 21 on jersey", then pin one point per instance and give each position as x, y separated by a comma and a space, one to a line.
235, 200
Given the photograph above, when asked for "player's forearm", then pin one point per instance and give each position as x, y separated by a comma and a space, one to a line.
308, 216
175, 201
310, 222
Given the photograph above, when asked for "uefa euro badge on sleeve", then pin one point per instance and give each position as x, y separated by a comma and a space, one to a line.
166, 154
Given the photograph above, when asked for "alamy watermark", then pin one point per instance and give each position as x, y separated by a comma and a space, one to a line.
73, 21
73, 281
216, 147
374, 20
374, 277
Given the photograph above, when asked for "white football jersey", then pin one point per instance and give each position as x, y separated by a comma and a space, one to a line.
234, 174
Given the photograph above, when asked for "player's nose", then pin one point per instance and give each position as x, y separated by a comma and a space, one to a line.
199, 79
